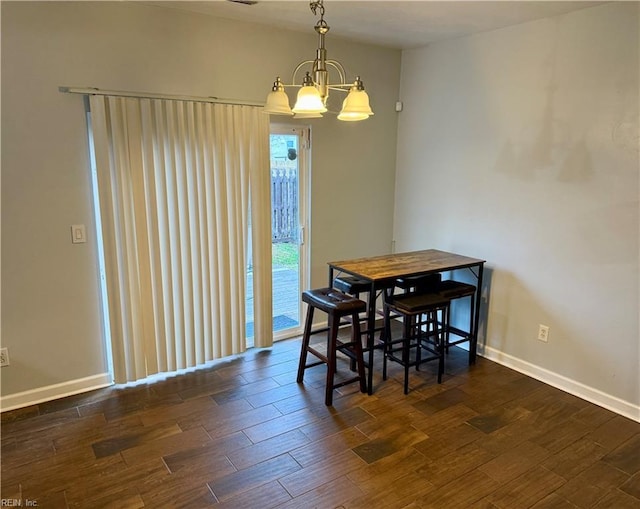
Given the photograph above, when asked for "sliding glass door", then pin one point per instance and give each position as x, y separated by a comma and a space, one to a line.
289, 228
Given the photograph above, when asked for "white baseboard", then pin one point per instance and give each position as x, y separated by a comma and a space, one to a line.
565, 384
61, 390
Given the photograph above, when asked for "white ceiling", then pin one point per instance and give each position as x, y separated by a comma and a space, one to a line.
396, 24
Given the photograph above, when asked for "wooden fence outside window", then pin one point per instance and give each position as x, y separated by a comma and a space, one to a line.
284, 201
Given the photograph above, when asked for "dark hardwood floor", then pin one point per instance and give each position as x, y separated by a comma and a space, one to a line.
244, 434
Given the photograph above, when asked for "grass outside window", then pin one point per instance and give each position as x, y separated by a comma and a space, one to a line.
284, 255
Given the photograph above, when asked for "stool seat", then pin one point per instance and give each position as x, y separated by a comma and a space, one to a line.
331, 300
455, 289
351, 284
425, 283
417, 302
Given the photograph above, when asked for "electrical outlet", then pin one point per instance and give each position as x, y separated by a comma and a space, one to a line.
4, 357
543, 333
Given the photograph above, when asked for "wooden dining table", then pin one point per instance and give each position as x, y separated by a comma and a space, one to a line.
380, 271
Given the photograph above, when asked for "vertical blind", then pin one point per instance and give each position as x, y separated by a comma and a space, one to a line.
177, 183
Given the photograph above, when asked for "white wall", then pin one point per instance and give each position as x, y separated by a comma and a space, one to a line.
50, 308
520, 146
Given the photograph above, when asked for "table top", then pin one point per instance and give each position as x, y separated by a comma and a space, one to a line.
376, 268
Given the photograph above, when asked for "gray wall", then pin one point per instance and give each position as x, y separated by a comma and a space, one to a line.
520, 146
50, 306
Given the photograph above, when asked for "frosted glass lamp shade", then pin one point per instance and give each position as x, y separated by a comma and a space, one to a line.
278, 103
309, 101
355, 107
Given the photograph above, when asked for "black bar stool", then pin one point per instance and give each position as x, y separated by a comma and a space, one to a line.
355, 286
336, 305
423, 331
453, 290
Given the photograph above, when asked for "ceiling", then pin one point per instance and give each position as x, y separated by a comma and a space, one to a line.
395, 24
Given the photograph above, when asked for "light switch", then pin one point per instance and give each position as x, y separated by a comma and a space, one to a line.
78, 234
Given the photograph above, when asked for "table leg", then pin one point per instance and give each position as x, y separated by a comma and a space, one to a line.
371, 334
473, 346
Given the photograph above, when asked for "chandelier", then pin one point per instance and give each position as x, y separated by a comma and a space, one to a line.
314, 91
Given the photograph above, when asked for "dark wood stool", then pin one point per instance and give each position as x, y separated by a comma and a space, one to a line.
453, 290
422, 331
355, 286
336, 305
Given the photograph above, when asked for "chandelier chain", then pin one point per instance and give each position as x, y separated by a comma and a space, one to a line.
315, 6
321, 26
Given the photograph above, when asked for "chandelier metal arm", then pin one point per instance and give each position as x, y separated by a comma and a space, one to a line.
338, 67
295, 71
333, 86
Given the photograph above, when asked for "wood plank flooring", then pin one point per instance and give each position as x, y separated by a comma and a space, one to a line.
243, 434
